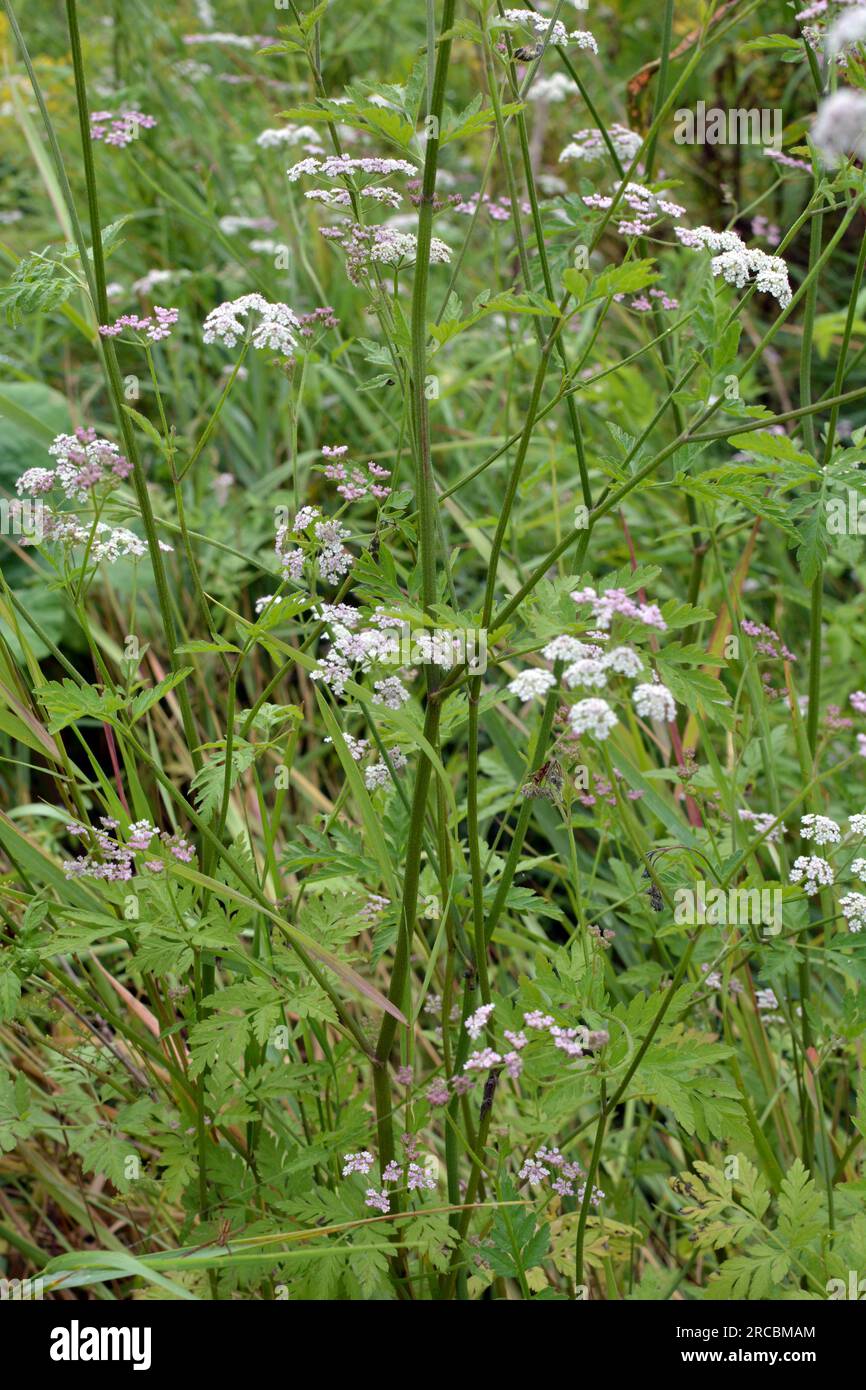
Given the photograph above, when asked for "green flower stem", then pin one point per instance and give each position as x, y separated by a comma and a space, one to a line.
424, 486
537, 226
524, 816
115, 382
837, 398
594, 1161
427, 541
808, 428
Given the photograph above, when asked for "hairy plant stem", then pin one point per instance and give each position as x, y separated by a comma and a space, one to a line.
424, 484
115, 382
524, 816
538, 229
427, 541
837, 399
817, 590
816, 605
808, 428
594, 1161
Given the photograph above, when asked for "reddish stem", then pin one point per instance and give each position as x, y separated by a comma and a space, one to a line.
112, 753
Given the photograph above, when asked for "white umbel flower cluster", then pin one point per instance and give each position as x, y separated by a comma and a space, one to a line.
340, 166
763, 821
392, 247
624, 661
592, 717
839, 128
853, 908
276, 329
590, 144
559, 35
105, 543
477, 1022
586, 671
557, 87
566, 648
846, 30
341, 197
532, 683
821, 829
740, 264
654, 701
274, 137
813, 872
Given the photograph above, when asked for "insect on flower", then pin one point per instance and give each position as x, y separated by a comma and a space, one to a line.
545, 782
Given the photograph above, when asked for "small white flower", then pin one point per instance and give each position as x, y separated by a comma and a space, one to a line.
569, 1040
360, 1162
592, 716
483, 1060
335, 166
813, 872
558, 34
533, 1172
36, 481
739, 264
540, 24
589, 144
839, 128
587, 671
289, 135
625, 661
538, 1020
379, 1200
761, 821
821, 829
531, 683
847, 29
477, 1022
654, 701
232, 224
390, 692
305, 518
557, 87
266, 600
276, 325
357, 747
565, 648
853, 907
418, 1179
857, 824
376, 776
